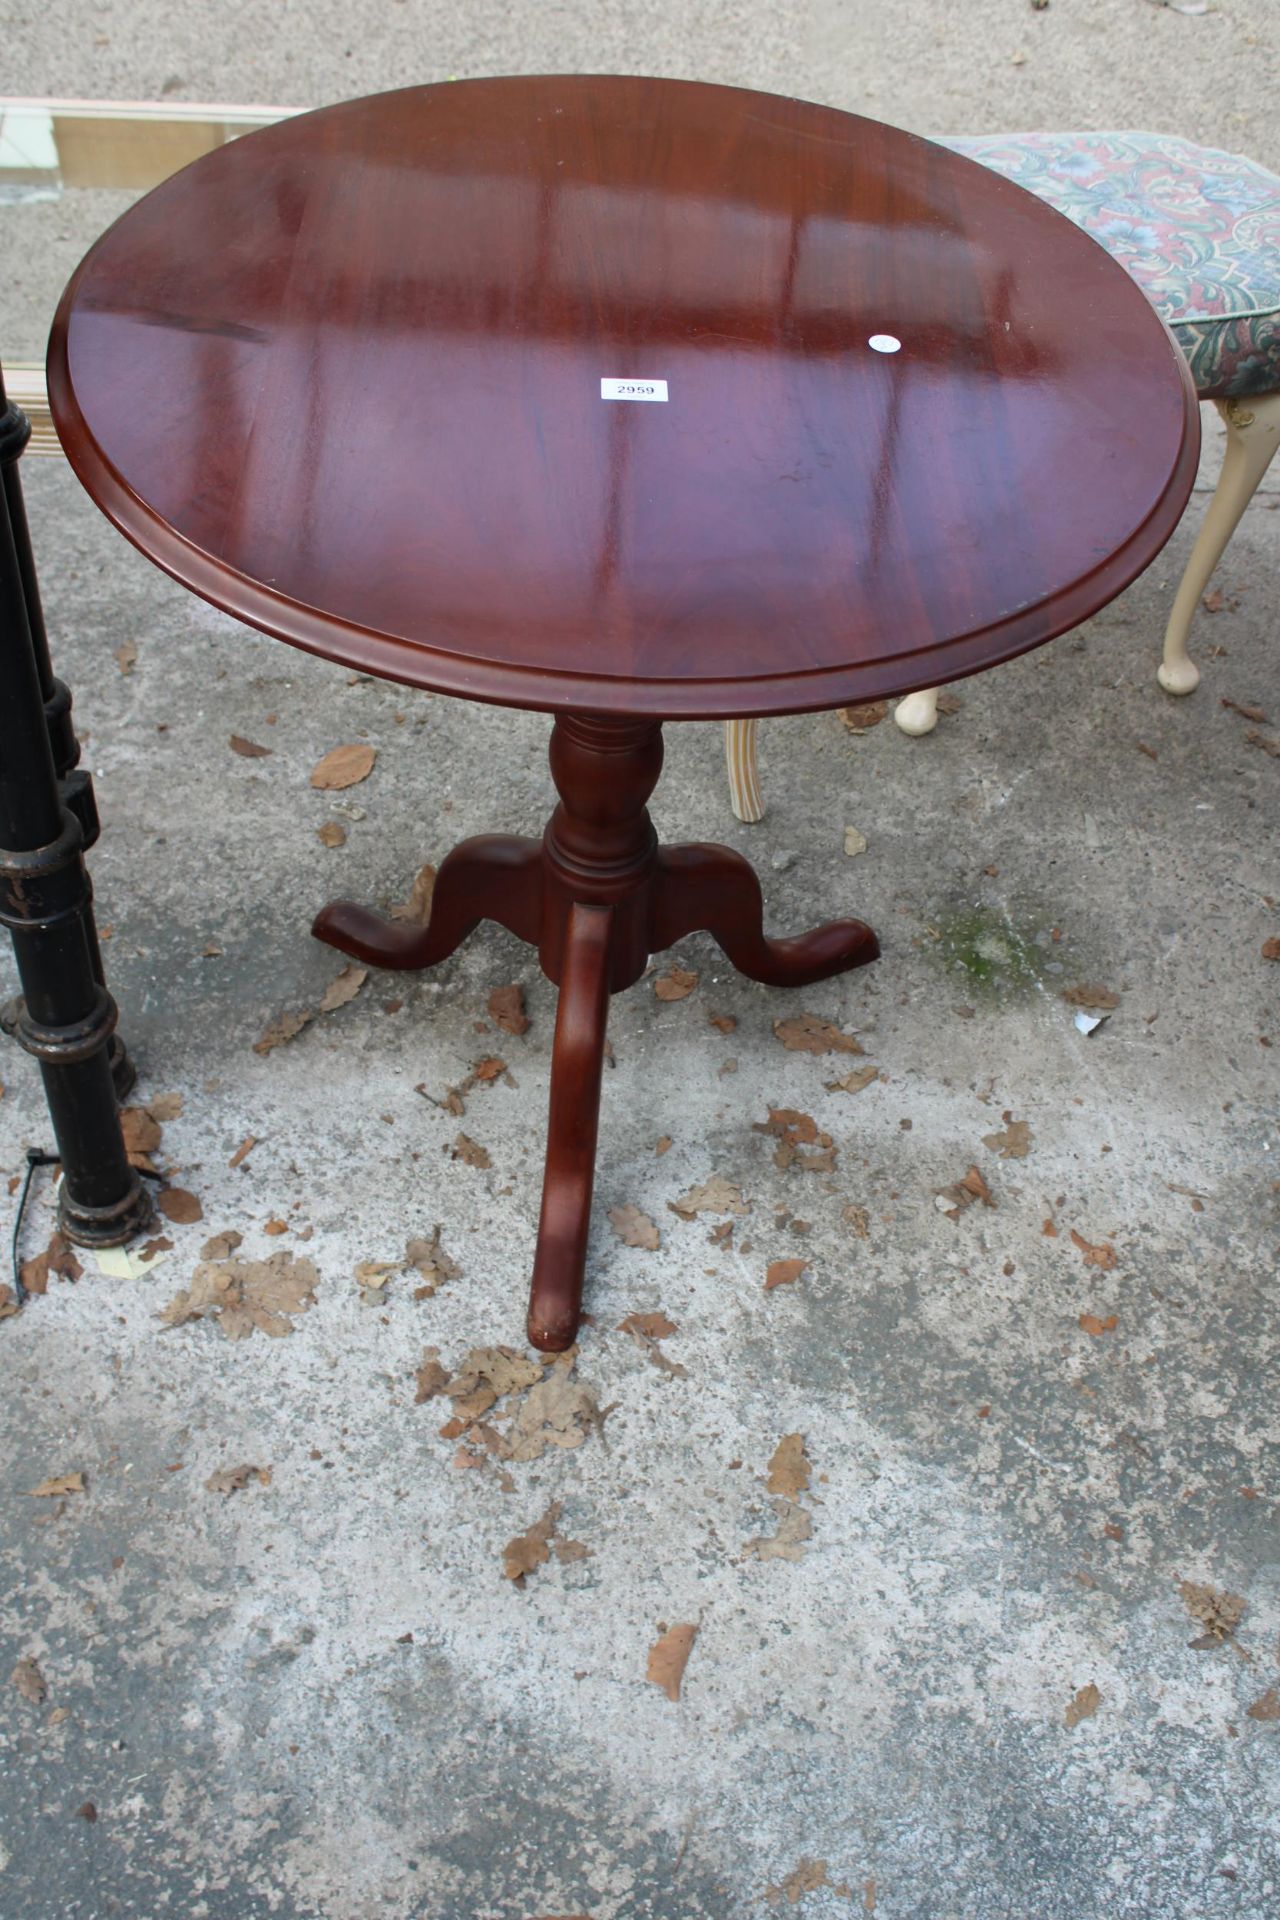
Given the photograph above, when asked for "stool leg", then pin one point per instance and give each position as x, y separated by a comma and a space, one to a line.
1253, 434
744, 770
577, 1057
918, 713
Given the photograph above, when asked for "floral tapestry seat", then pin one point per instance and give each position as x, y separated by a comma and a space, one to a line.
1199, 231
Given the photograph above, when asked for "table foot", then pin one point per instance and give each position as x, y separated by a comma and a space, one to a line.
496, 876
555, 1297
710, 889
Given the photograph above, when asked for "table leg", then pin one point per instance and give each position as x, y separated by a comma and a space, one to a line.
596, 896
555, 1298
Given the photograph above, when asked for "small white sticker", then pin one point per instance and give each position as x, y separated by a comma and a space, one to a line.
884, 343
633, 389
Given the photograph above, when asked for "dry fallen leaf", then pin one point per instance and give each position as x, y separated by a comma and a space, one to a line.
8, 1301
343, 767
342, 988
854, 1081
1091, 1324
1100, 999
669, 1656
470, 1151
126, 656
417, 908
647, 1329
1269, 742
954, 1199
530, 1549
854, 842
1271, 949
28, 1679
434, 1266
1217, 1612
1014, 1143
677, 983
795, 1132
1102, 1254
858, 1218
245, 1295
432, 1378
285, 1026
1266, 1706
795, 1526
1212, 602
1083, 1706
806, 1033
486, 1376
789, 1467
234, 1479
332, 834
141, 1132
557, 1411
633, 1228
506, 1009
57, 1258
221, 1245
783, 1273
806, 1877
723, 1022
176, 1204
716, 1195
248, 749
862, 719
54, 1489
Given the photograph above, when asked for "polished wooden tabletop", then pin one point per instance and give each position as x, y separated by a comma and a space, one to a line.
348, 378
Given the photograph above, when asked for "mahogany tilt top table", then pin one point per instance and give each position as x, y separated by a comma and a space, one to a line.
628, 401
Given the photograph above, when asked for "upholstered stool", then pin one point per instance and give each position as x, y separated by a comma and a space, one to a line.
1199, 231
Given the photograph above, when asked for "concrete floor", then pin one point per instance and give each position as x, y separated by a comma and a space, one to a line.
320, 1696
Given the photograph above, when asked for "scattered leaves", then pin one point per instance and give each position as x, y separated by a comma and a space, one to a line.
245, 1295
28, 1679
343, 767
416, 910
854, 1081
61, 1483
230, 1480
141, 1132
432, 1378
806, 1033
286, 1026
1091, 1324
176, 1204
221, 1245
1099, 1253
57, 1258
8, 1301
634, 1229
1266, 1706
1090, 994
470, 1151
783, 1273
1218, 1613
533, 1549
1015, 1142
954, 1199
647, 1329
861, 719
677, 983
789, 1467
799, 1140
716, 1195
669, 1656
795, 1526
1082, 1706
248, 749
506, 1009
433, 1265
342, 988
806, 1877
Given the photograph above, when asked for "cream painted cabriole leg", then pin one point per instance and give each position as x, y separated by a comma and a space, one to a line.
1253, 434
744, 774
918, 713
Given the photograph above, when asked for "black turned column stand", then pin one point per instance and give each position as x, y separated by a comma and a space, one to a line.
65, 1018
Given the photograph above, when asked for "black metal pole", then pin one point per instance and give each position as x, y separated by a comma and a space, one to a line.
66, 1016
75, 782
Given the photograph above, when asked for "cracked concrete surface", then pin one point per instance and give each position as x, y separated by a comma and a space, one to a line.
1003, 1504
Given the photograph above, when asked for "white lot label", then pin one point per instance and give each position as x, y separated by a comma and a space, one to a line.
633, 389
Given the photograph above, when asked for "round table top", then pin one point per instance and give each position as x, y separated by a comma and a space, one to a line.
623, 395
